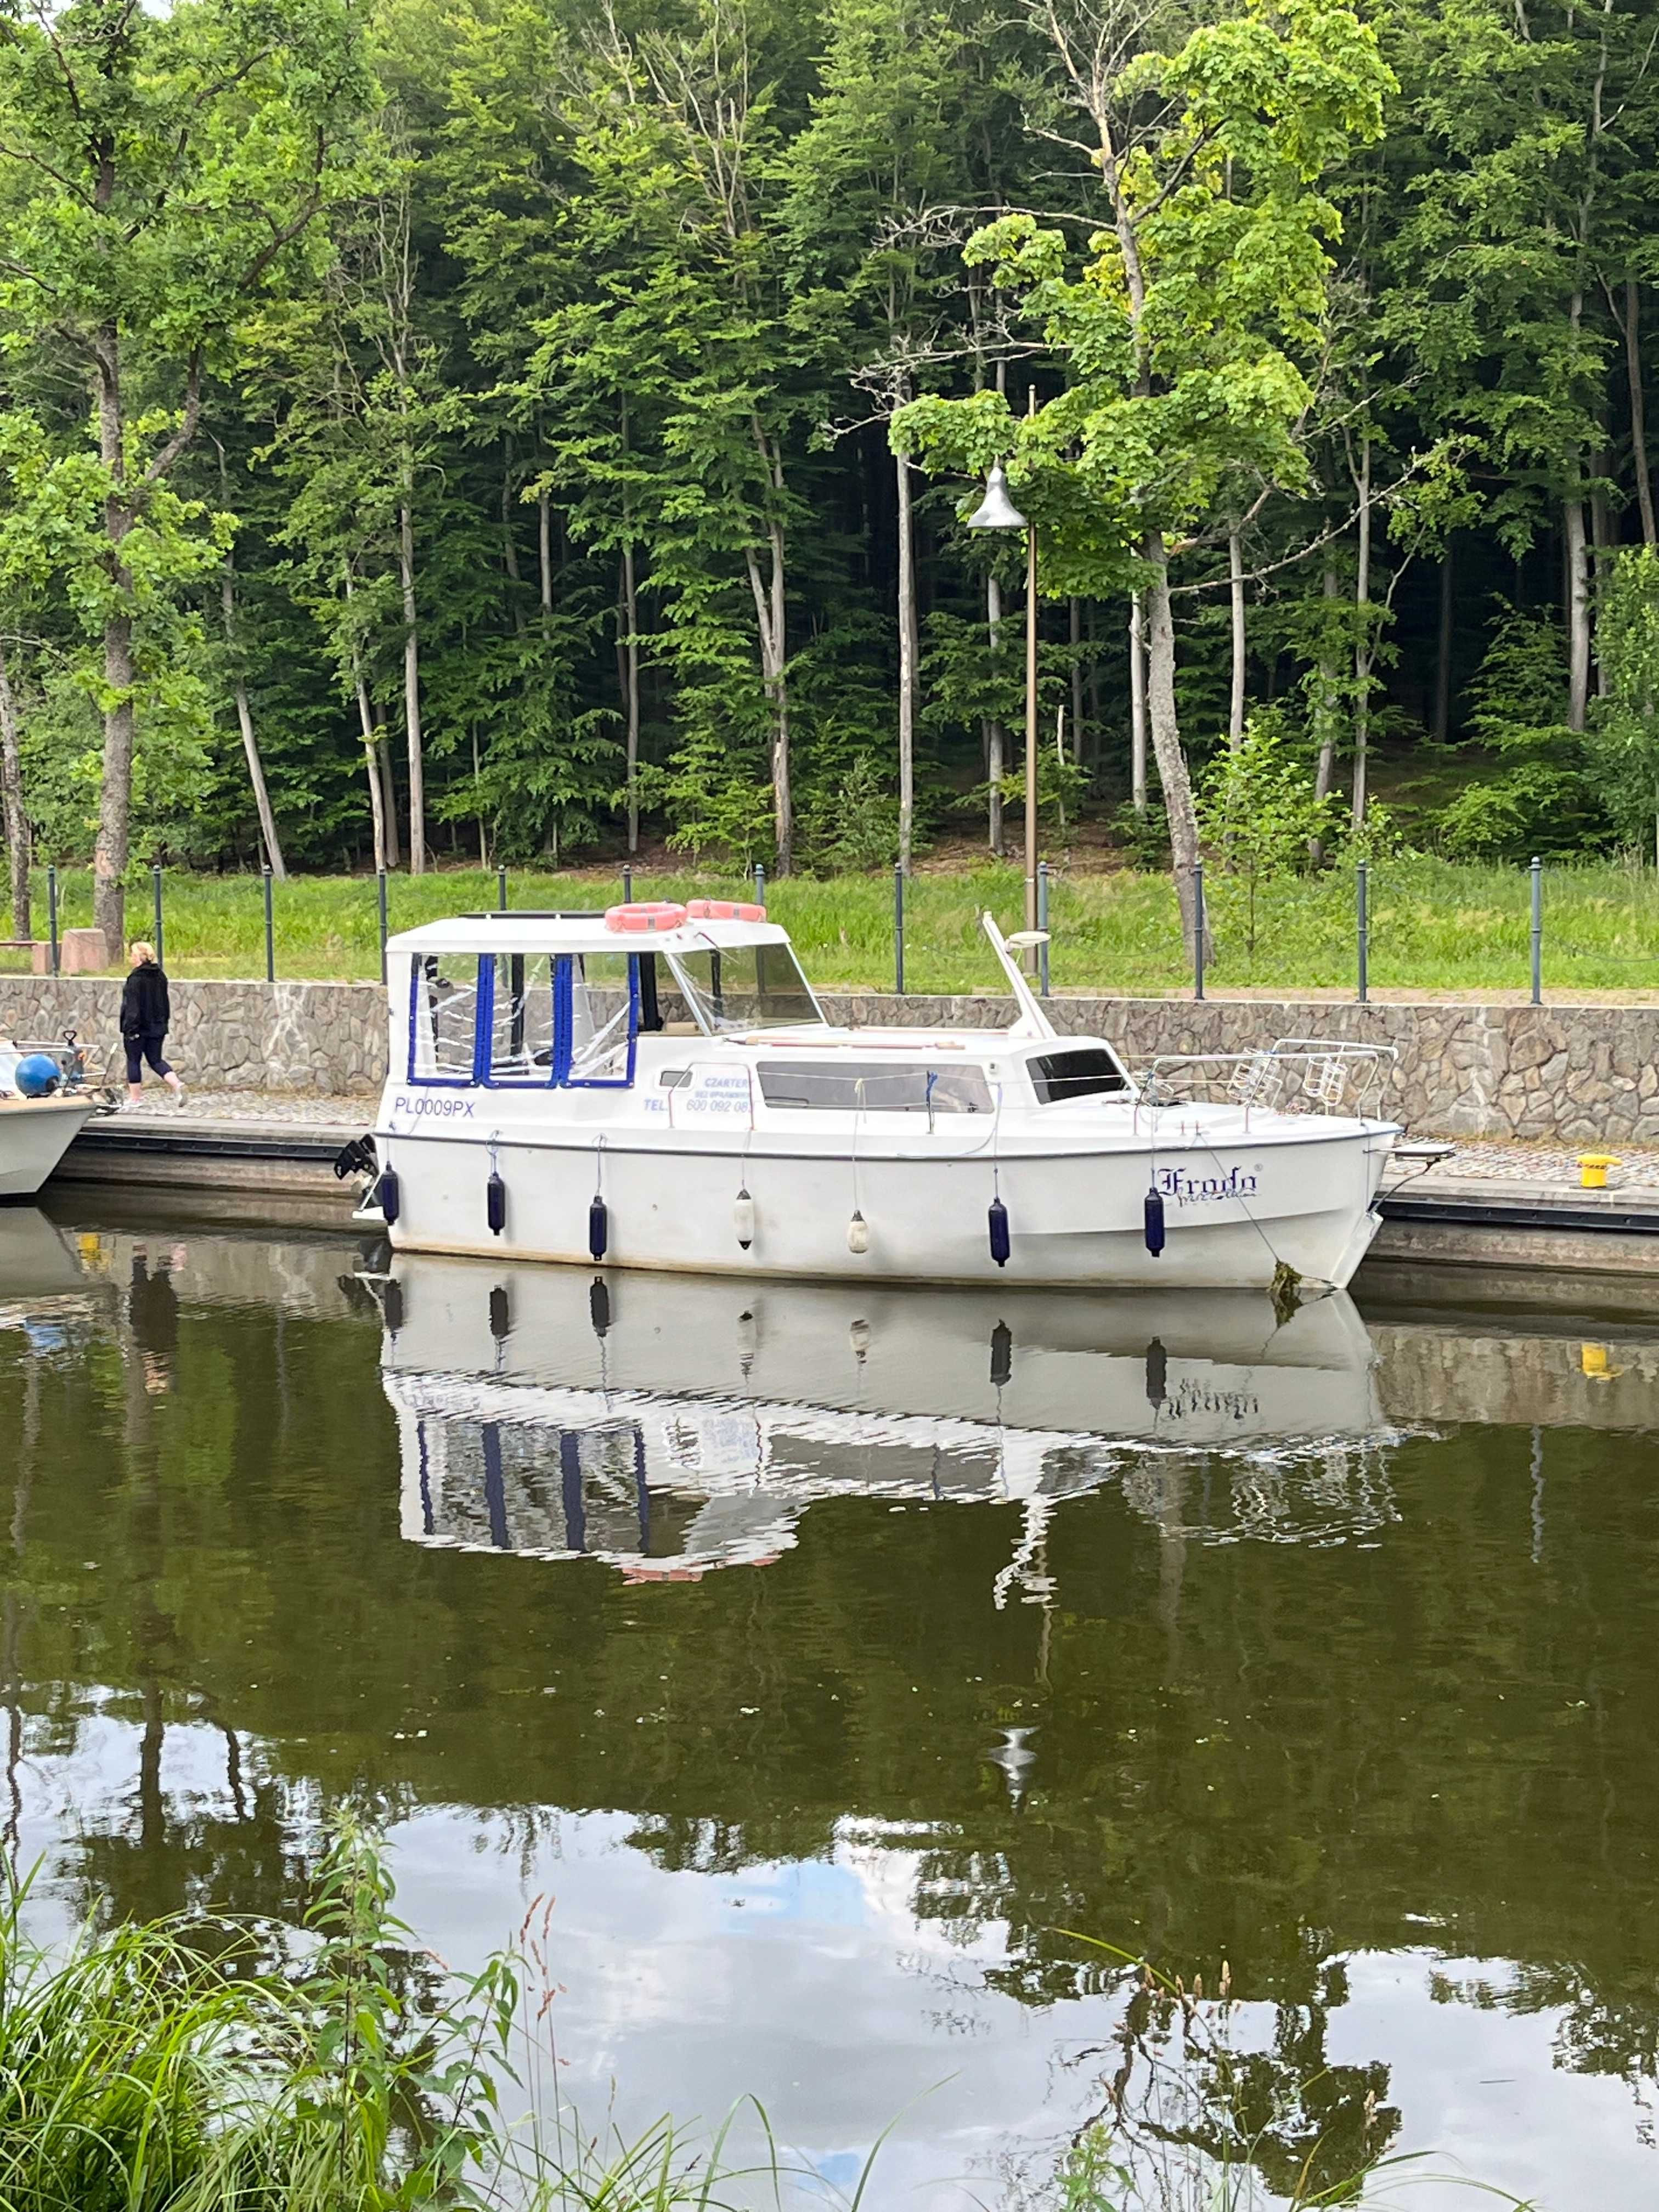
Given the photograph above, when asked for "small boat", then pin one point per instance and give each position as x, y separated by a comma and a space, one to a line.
657, 1086
35, 1135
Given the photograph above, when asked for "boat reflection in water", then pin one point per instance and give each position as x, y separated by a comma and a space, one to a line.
672, 1425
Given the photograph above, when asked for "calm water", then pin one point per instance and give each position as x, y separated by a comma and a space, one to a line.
826, 1657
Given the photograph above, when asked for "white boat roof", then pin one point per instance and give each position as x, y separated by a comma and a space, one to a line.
527, 931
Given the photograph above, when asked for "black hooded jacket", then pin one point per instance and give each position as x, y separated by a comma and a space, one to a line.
146, 1010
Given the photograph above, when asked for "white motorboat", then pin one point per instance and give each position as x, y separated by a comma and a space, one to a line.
658, 1087
672, 1426
35, 1135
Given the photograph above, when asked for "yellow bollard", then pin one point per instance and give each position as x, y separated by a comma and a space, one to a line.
1593, 1169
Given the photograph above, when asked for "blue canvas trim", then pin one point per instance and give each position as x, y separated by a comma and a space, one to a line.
537, 1081
566, 1007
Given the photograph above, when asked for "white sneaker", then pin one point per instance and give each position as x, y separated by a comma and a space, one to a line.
180, 1097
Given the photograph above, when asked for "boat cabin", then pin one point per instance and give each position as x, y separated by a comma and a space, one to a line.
706, 1013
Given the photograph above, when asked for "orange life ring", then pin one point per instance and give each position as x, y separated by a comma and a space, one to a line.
645, 914
725, 910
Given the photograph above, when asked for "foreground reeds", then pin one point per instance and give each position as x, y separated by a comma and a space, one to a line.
179, 2067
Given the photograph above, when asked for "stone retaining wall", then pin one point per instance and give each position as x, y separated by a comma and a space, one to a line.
1584, 1074
1580, 1073
326, 1038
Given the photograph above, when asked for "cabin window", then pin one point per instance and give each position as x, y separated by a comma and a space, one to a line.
874, 1087
600, 999
746, 986
521, 1025
1089, 1072
443, 1028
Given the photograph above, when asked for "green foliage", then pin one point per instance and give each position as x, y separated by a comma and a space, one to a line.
1544, 798
1260, 813
1625, 733
855, 827
628, 318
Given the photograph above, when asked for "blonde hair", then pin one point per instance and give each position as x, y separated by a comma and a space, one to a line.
142, 949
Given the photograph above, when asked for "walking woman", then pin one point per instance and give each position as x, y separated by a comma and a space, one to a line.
146, 1017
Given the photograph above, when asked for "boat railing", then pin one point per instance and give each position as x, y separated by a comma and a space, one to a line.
1295, 1075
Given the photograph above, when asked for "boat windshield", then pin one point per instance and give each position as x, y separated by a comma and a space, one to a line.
746, 986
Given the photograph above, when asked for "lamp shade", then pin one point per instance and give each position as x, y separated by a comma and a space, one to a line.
996, 511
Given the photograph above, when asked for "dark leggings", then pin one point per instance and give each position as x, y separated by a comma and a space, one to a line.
146, 1047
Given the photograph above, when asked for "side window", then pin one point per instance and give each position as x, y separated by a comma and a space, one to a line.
603, 1017
444, 1018
521, 1018
875, 1087
1085, 1074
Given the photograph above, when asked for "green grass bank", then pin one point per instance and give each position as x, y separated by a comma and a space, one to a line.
1437, 928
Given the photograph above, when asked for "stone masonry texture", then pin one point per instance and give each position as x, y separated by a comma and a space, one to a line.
1580, 1074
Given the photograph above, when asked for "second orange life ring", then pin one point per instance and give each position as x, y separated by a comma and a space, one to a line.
649, 914
726, 910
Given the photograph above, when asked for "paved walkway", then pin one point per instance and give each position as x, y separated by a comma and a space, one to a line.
1554, 1165
305, 1107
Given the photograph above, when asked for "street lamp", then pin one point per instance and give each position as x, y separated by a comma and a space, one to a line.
996, 511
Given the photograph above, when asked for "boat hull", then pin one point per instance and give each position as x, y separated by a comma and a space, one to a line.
1235, 1212
35, 1135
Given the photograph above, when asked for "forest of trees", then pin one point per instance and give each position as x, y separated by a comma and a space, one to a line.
507, 428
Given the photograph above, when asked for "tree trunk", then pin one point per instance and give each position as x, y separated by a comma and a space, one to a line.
1638, 412
1578, 613
372, 765
256, 768
1324, 711
418, 852
631, 689
908, 654
770, 613
995, 760
544, 556
1137, 703
19, 843
1236, 594
1172, 774
1076, 630
112, 851
1441, 722
1363, 646
382, 804
1327, 694
509, 549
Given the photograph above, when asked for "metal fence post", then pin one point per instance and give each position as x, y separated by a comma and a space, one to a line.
760, 884
1198, 932
161, 942
1362, 885
898, 926
1043, 924
500, 890
381, 882
51, 918
270, 928
1537, 931
627, 885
